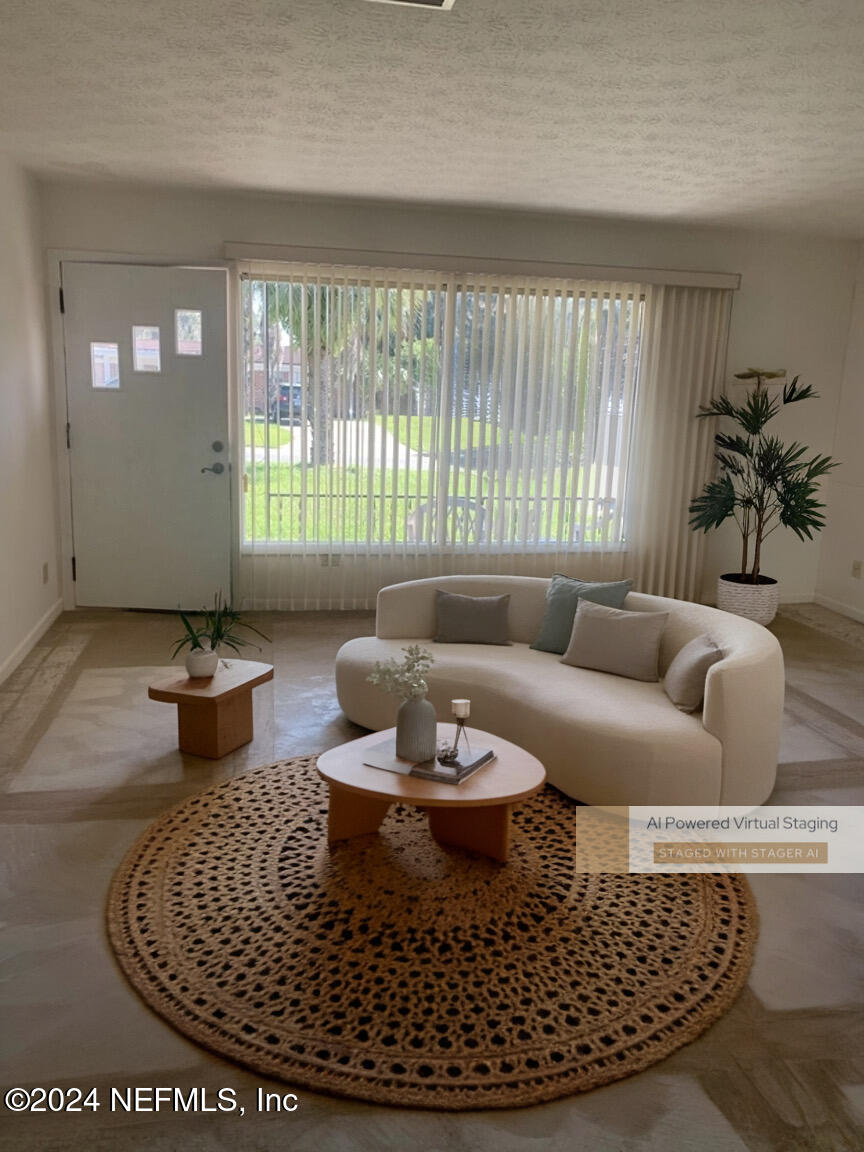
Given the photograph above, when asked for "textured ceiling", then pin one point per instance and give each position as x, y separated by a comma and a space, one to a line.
745, 112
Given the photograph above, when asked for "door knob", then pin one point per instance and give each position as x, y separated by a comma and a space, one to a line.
217, 446
217, 468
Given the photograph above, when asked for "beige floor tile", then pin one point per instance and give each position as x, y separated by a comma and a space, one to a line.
853, 1094
799, 742
108, 734
811, 941
69, 1012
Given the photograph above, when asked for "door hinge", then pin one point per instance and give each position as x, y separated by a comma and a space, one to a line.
62, 302
68, 440
74, 570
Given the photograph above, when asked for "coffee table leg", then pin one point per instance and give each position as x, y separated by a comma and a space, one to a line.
351, 814
485, 829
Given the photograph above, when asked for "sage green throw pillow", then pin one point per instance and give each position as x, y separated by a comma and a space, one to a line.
685, 678
609, 640
562, 600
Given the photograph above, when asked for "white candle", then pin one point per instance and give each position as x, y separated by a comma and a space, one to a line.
461, 709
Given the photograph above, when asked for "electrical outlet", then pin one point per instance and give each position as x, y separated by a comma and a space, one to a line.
856, 569
45, 572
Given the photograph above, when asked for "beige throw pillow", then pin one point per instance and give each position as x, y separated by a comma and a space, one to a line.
685, 680
612, 640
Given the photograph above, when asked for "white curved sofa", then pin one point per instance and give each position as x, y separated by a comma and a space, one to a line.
603, 739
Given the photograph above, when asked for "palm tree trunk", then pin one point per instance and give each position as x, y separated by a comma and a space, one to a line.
322, 414
757, 550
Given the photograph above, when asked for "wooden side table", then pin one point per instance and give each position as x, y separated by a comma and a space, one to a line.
214, 714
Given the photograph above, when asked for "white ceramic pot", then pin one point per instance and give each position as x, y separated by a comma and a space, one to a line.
754, 601
201, 662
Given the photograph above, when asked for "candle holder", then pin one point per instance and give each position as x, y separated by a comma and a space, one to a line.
450, 755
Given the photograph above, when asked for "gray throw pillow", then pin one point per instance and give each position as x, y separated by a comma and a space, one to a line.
623, 643
562, 599
685, 679
471, 619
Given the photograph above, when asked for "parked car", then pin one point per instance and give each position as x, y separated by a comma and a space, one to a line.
287, 406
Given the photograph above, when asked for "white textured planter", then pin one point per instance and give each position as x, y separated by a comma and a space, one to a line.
754, 601
201, 662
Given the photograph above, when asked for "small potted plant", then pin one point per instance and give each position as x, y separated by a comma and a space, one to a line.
765, 484
416, 722
218, 629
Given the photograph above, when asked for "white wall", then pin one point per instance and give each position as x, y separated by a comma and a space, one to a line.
792, 311
28, 524
843, 538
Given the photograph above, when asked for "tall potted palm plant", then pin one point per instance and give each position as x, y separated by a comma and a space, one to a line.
764, 484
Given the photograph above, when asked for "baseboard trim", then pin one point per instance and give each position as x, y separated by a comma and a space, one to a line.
839, 606
30, 640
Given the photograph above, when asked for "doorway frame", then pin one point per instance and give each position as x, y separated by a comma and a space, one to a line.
54, 260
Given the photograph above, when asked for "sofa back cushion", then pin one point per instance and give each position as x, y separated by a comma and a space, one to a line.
408, 610
687, 620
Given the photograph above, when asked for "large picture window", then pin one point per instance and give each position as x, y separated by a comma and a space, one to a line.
390, 409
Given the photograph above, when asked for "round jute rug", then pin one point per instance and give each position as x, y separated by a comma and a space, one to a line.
397, 971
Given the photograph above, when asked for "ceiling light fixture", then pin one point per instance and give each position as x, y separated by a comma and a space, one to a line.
441, 5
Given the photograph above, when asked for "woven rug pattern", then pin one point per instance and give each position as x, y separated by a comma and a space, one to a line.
398, 971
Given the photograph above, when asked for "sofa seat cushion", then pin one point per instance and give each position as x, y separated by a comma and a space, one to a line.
603, 739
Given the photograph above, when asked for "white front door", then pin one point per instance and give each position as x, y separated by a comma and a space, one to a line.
147, 395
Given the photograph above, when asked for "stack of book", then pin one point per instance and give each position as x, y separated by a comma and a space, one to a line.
384, 756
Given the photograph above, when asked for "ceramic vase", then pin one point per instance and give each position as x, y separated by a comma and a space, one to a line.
416, 730
201, 662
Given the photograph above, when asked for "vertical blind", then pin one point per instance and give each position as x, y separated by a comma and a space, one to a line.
401, 424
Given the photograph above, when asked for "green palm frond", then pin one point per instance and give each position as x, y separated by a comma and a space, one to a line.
792, 393
219, 628
740, 445
716, 504
756, 411
719, 406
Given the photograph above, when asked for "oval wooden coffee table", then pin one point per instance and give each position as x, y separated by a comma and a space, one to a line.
474, 814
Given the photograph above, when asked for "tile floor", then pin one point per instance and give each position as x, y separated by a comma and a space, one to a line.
86, 761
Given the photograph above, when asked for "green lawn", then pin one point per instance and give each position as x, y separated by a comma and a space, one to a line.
325, 518
418, 432
358, 517
267, 435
